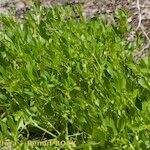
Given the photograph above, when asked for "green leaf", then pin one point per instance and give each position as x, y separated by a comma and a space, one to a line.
99, 136
13, 127
3, 97
143, 83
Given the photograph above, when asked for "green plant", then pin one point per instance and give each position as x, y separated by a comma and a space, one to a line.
72, 79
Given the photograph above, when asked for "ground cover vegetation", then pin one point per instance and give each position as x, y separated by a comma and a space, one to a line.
72, 79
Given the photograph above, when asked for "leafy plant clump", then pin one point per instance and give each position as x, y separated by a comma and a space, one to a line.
73, 80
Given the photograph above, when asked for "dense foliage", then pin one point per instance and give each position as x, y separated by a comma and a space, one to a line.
73, 79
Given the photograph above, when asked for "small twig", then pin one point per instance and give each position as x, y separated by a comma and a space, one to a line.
137, 56
36, 125
77, 134
54, 128
139, 13
145, 47
146, 35
140, 20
